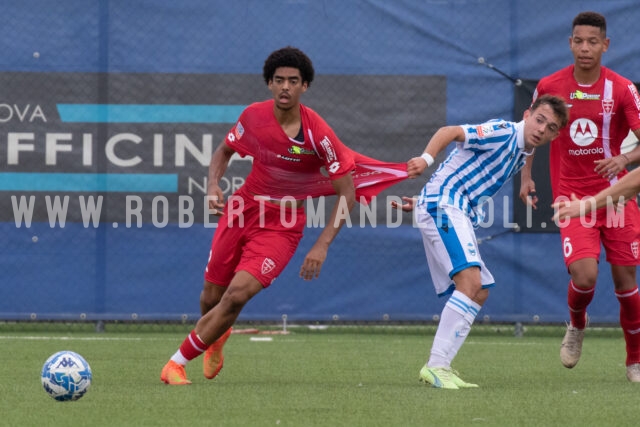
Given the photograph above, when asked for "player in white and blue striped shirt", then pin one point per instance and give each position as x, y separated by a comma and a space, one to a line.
450, 206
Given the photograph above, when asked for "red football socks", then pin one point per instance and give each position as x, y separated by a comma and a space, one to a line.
192, 346
630, 323
579, 299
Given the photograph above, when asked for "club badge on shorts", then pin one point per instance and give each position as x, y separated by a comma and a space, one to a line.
267, 265
634, 249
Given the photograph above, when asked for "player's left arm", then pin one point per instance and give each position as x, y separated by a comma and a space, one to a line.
610, 167
345, 190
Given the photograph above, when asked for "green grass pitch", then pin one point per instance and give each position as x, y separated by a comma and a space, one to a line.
361, 376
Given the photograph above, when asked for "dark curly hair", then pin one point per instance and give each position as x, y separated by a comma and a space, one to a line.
592, 19
288, 57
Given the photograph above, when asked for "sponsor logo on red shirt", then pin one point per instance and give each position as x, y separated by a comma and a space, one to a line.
583, 132
578, 94
328, 148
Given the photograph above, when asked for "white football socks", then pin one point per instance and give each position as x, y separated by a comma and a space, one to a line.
456, 319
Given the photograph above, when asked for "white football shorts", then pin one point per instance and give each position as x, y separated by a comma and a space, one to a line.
451, 247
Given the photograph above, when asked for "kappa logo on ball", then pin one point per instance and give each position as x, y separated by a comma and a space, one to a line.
267, 265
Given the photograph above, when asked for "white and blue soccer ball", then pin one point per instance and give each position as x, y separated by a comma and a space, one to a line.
66, 376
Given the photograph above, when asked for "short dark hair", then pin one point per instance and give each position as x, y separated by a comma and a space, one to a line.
288, 57
557, 104
592, 19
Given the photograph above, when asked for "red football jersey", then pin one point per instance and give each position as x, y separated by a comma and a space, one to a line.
600, 117
283, 166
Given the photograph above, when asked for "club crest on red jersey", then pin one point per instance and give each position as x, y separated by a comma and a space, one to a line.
607, 106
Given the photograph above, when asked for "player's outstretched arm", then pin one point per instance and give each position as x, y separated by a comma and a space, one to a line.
627, 188
346, 200
438, 142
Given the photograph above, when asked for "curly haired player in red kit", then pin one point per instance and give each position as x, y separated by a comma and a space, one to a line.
296, 155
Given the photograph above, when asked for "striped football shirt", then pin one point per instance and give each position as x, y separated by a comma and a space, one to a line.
477, 168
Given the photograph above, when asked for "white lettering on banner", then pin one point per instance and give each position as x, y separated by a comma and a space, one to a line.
52, 147
110, 150
24, 113
57, 210
15, 146
184, 144
185, 211
183, 149
90, 210
155, 210
315, 218
134, 211
23, 210
369, 210
390, 213
60, 208
227, 185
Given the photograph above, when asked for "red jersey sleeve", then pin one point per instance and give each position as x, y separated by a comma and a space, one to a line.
234, 139
632, 106
338, 159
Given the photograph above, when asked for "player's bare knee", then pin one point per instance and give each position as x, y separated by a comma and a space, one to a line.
235, 298
211, 294
584, 280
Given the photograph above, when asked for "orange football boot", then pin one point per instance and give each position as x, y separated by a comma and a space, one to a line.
213, 357
173, 374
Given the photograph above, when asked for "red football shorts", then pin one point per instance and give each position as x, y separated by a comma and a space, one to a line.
618, 231
255, 236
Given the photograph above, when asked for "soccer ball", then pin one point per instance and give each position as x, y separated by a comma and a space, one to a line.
66, 376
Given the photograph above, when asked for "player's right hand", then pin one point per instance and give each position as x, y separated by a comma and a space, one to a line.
415, 167
312, 263
528, 193
407, 206
566, 209
215, 196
